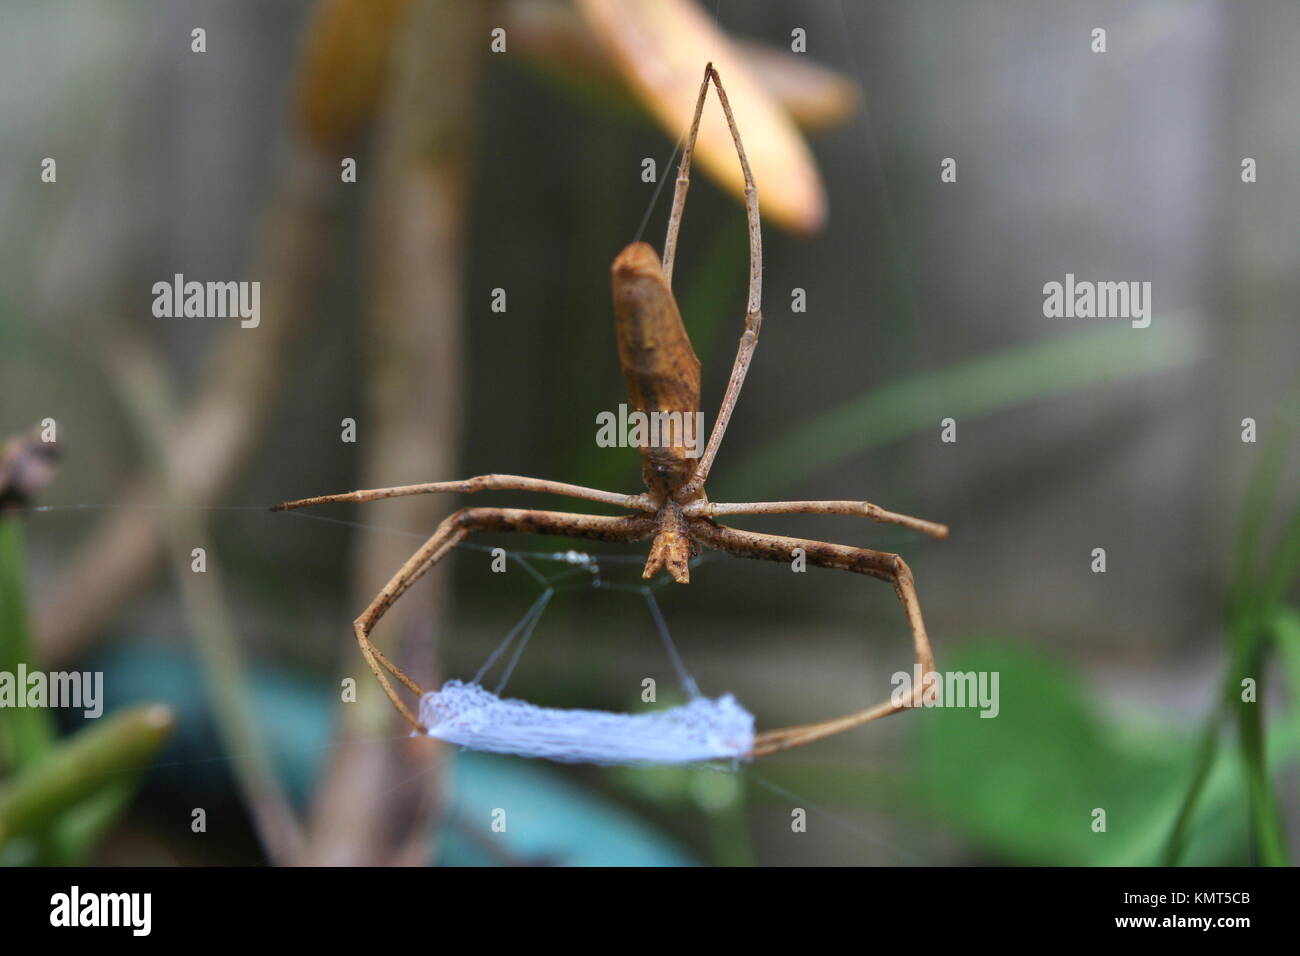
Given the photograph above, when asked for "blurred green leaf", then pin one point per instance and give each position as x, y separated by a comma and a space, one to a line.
973, 387
1285, 566
26, 733
1261, 491
1286, 631
1025, 784
75, 834
1207, 752
106, 756
1253, 613
1253, 605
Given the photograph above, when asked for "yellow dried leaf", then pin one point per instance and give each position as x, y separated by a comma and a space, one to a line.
816, 97
342, 68
558, 41
661, 48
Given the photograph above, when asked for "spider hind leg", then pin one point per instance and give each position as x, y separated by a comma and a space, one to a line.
876, 564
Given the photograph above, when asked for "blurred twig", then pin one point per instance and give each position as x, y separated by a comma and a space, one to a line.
220, 429
410, 429
144, 386
27, 465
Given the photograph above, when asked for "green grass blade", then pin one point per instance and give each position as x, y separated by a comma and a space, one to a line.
1286, 636
1207, 751
26, 733
1261, 490
976, 387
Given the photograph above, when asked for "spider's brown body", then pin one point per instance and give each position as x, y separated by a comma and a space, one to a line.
662, 374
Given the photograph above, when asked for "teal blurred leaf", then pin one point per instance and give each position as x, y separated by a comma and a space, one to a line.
550, 818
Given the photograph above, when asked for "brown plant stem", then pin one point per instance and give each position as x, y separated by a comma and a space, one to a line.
378, 798
142, 382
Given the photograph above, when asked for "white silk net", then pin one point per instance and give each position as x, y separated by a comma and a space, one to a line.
468, 714
474, 717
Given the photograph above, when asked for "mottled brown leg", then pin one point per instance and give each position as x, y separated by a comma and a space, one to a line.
449, 534
469, 486
862, 509
683, 183
876, 564
753, 305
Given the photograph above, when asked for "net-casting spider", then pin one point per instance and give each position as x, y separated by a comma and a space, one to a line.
662, 374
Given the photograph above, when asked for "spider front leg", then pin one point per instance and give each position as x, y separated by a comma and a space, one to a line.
754, 300
481, 483
876, 564
450, 533
863, 509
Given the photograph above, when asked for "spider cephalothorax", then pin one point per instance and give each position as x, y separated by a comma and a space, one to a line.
663, 376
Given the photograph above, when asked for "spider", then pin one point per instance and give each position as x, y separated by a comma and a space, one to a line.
662, 374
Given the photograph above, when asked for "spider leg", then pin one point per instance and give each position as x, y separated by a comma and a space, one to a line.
683, 181
876, 564
753, 308
710, 509
481, 483
450, 533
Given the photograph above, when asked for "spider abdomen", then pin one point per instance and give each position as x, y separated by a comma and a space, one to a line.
660, 367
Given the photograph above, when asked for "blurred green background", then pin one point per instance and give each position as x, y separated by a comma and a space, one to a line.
522, 171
